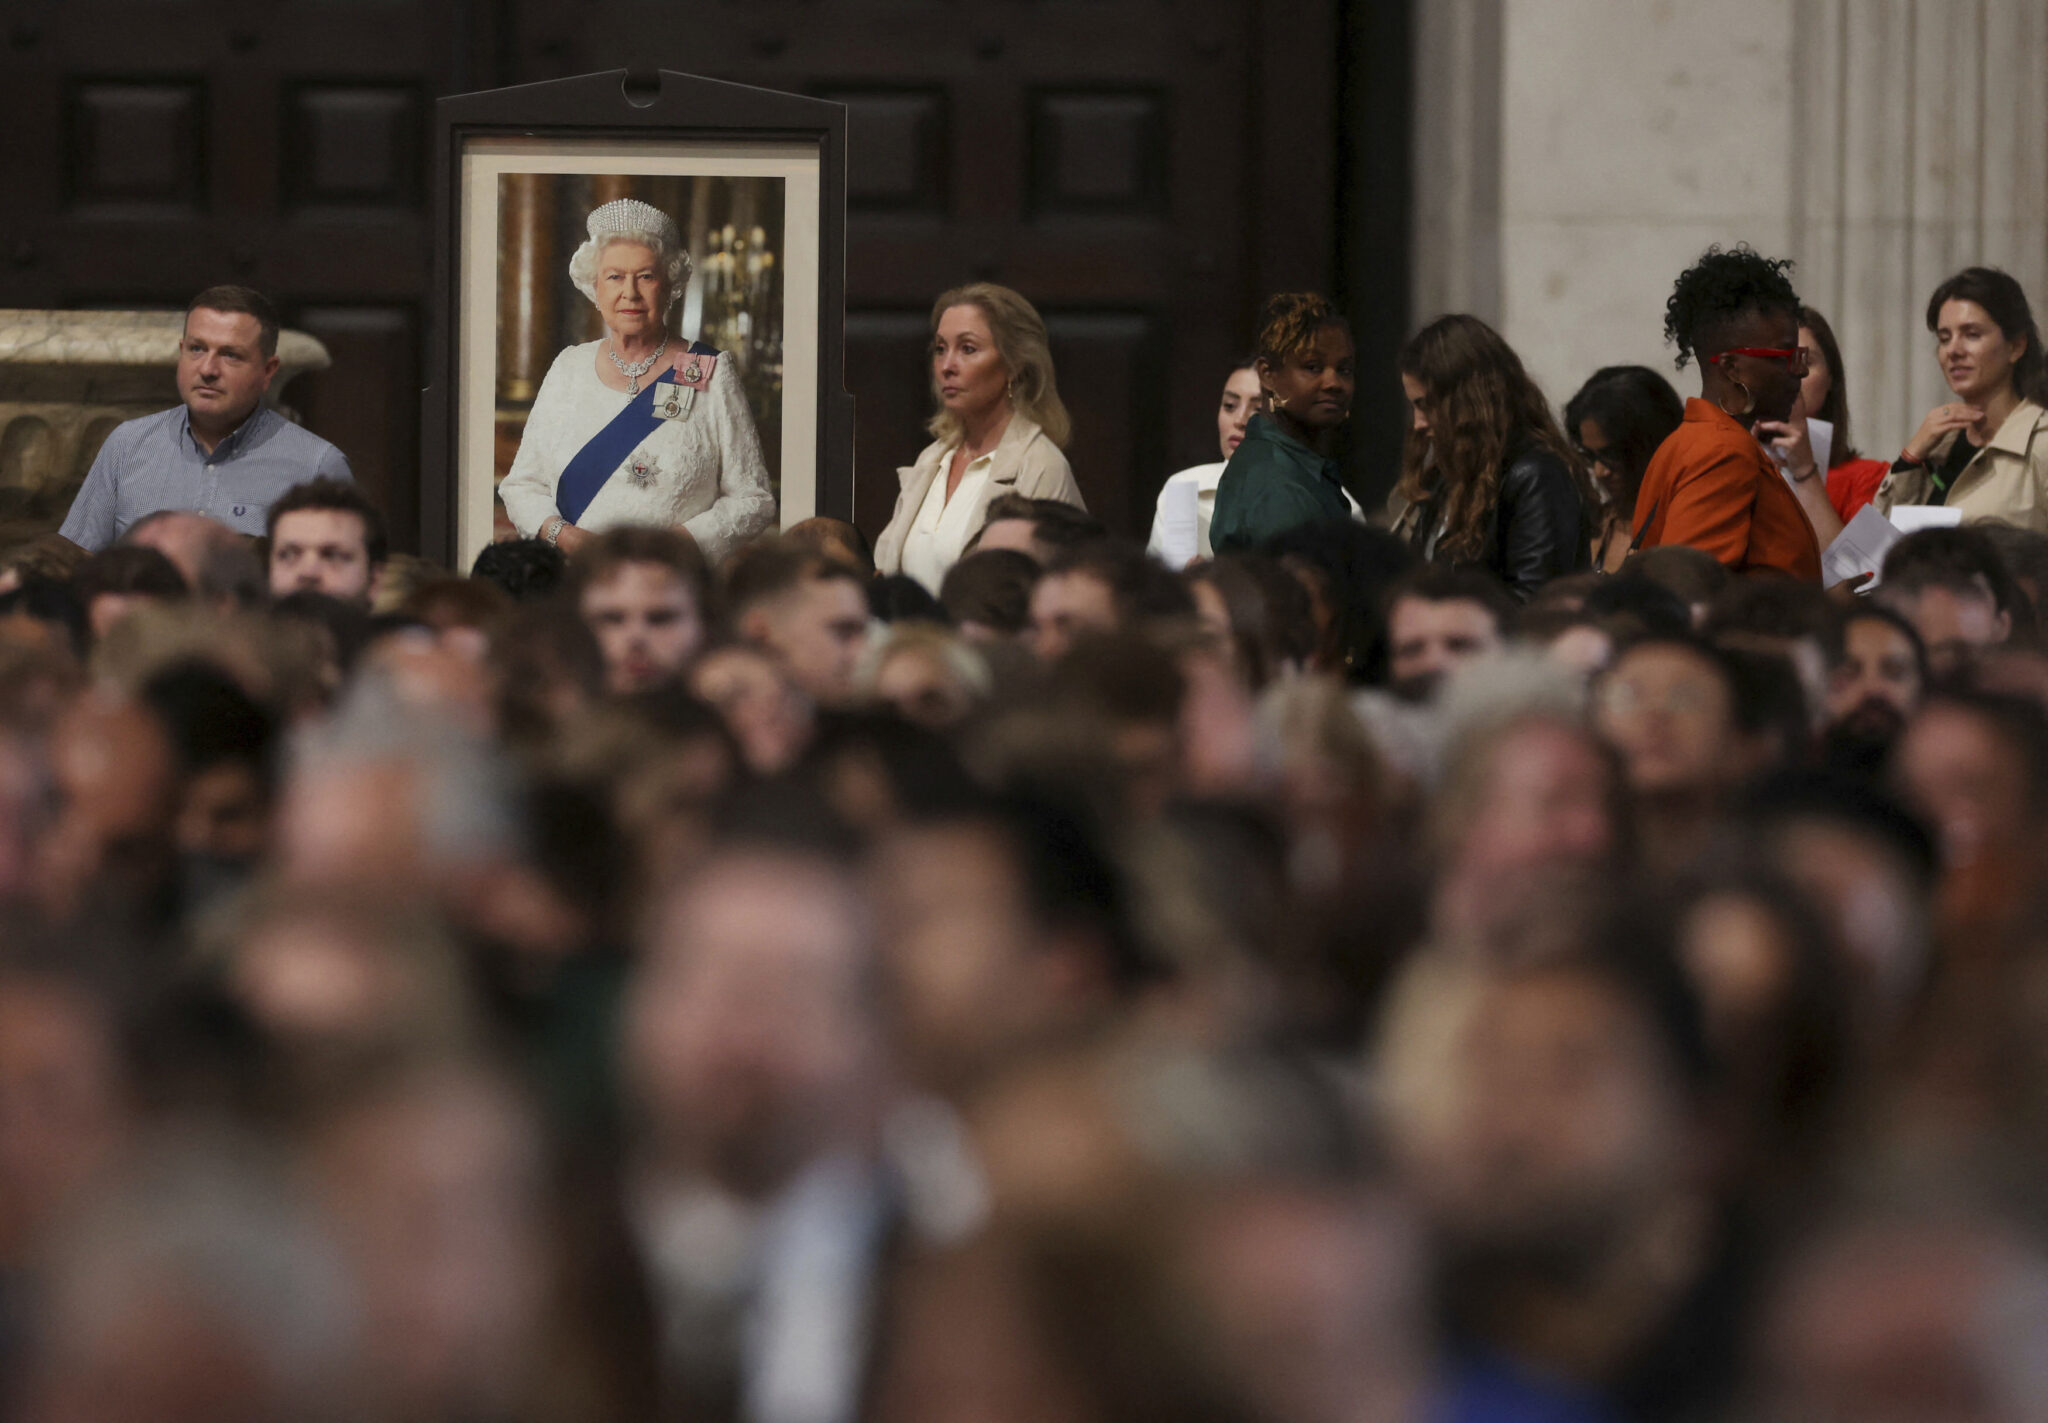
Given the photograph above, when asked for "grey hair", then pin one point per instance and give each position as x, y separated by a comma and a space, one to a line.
674, 260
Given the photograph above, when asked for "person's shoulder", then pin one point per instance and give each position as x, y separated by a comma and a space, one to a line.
290, 435
1202, 476
130, 433
1534, 464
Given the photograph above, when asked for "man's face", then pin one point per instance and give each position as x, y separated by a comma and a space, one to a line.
749, 1026
1958, 771
1555, 1117
819, 629
647, 624
1428, 640
1875, 689
1671, 715
1954, 625
321, 551
222, 371
1065, 605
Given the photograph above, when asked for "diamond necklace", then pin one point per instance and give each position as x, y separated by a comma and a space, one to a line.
632, 373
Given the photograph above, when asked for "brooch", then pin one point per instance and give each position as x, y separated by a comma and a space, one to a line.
642, 469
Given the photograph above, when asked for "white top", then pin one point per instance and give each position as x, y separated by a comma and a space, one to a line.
1205, 478
704, 473
943, 526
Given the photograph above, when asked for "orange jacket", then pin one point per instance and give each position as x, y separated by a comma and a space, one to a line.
1711, 486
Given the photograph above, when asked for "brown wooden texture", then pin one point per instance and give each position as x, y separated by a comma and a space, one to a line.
1144, 171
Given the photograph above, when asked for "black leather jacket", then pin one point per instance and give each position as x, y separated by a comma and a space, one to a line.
1539, 532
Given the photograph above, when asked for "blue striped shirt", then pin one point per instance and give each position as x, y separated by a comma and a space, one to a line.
153, 464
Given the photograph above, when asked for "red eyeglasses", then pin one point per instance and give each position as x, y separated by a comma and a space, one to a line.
1794, 356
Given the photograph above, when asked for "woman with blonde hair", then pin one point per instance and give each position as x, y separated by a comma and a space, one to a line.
999, 430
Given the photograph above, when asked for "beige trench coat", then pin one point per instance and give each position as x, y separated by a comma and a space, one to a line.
2007, 479
1023, 462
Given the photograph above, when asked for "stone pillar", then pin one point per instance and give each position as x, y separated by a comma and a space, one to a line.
1456, 215
526, 289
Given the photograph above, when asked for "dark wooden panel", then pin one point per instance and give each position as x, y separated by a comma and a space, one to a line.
887, 375
358, 403
896, 147
1108, 365
136, 144
1098, 153
352, 145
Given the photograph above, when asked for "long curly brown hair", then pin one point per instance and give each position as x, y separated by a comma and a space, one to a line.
1482, 408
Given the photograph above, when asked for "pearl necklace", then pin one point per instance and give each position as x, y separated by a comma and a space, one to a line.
633, 372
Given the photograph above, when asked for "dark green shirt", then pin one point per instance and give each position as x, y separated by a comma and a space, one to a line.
1272, 484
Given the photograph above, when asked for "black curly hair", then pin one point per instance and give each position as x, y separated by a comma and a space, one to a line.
1716, 291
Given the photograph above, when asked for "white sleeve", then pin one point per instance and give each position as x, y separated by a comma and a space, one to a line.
745, 506
528, 488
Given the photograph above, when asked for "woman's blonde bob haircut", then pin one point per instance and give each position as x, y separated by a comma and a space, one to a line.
1020, 340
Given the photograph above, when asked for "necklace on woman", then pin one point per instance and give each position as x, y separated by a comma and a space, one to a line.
633, 372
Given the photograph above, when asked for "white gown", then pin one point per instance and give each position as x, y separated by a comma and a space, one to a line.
704, 474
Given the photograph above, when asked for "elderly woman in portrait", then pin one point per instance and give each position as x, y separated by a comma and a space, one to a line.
635, 427
999, 429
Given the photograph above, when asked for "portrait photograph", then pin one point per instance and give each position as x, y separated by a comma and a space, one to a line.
637, 338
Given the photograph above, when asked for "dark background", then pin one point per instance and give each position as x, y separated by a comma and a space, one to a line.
1146, 171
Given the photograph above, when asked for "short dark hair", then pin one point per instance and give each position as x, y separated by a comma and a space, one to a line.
246, 301
1141, 587
1777, 607
1055, 524
992, 587
613, 549
821, 534
128, 568
341, 496
528, 569
1721, 288
1959, 559
1869, 612
899, 598
1450, 583
1637, 410
2006, 300
770, 568
211, 720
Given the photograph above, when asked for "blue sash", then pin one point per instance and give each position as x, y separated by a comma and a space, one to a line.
600, 458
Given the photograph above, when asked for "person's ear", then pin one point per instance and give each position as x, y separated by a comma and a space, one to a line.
2004, 624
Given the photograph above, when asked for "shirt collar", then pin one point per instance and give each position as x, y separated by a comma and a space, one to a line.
230, 442
2018, 430
1264, 427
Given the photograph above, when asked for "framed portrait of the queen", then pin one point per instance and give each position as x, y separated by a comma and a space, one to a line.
641, 292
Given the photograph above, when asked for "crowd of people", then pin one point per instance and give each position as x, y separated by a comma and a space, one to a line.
1530, 954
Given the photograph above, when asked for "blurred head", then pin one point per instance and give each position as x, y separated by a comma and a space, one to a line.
114, 776
1537, 797
767, 714
187, 539
527, 569
751, 1043
1975, 767
1539, 1109
326, 537
987, 594
1875, 687
1101, 587
1669, 708
644, 593
927, 674
1002, 933
834, 539
116, 581
807, 612
1042, 528
1951, 585
1911, 1314
1617, 420
1438, 619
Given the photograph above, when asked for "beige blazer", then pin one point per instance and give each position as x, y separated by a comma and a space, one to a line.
2007, 479
1023, 462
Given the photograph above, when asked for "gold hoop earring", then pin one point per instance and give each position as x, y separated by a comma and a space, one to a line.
1748, 401
1274, 402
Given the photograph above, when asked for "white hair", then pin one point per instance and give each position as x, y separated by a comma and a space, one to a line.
672, 257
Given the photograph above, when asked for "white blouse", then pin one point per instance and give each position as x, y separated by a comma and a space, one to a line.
703, 473
943, 525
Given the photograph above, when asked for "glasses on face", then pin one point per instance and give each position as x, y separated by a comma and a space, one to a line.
1795, 357
1608, 459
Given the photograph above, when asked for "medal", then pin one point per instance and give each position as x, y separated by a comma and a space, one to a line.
642, 469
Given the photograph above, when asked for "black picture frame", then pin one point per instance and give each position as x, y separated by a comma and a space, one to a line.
627, 107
